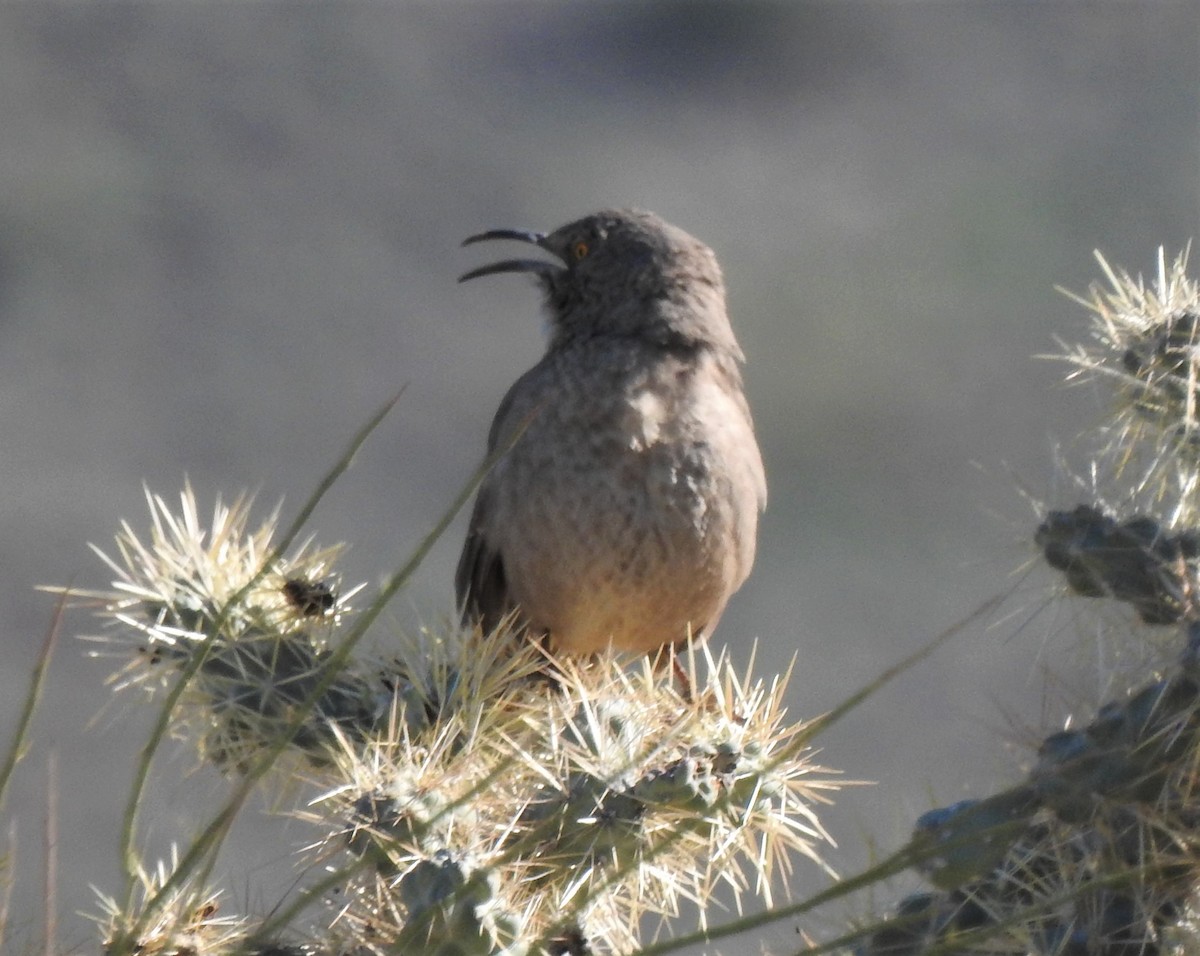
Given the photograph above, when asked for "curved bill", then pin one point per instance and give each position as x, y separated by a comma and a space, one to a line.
520, 235
540, 266
512, 265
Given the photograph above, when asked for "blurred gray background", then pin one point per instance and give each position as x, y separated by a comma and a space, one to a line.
229, 232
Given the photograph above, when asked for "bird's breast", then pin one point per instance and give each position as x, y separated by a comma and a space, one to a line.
646, 415
623, 511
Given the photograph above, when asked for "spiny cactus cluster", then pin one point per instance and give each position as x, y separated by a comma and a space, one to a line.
1135, 559
254, 640
477, 796
1095, 852
1145, 345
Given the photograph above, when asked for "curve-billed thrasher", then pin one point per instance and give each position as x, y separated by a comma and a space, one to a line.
625, 513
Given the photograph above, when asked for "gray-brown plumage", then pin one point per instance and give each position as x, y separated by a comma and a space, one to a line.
626, 513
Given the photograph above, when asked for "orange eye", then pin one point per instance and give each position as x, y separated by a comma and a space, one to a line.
579, 250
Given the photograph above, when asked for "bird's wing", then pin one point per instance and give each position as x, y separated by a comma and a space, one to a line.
480, 583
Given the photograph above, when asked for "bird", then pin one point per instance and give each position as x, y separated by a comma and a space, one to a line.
621, 512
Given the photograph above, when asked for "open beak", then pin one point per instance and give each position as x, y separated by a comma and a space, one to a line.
540, 266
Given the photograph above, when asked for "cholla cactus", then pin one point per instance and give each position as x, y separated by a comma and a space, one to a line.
1095, 852
476, 795
253, 631
189, 920
607, 797
1146, 344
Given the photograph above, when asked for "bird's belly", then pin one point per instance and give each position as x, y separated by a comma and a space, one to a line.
640, 556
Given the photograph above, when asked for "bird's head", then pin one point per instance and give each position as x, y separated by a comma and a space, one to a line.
624, 273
